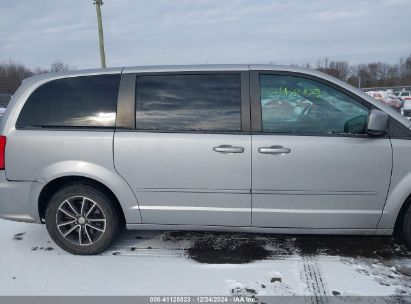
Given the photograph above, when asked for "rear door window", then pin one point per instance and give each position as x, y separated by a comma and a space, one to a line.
188, 103
80, 102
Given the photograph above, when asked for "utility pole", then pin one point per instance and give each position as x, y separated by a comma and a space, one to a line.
98, 4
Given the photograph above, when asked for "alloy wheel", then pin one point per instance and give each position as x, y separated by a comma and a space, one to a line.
81, 221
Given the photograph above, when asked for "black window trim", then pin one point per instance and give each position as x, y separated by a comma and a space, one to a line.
126, 106
397, 130
128, 102
255, 103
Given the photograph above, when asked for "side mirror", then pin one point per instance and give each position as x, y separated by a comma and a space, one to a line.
377, 123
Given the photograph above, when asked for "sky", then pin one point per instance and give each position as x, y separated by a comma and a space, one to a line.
156, 32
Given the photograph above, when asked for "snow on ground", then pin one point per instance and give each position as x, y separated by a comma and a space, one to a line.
204, 263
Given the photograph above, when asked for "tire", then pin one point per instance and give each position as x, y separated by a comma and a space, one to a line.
82, 220
406, 228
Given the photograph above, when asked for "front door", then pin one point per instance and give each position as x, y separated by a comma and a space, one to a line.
313, 166
187, 160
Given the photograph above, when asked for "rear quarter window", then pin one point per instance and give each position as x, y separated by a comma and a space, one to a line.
87, 101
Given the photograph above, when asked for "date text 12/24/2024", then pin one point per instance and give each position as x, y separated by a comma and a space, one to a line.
202, 299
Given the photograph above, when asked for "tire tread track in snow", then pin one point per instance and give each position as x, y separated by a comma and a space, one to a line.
313, 279
152, 252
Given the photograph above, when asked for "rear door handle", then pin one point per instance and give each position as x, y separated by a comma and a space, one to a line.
228, 149
274, 150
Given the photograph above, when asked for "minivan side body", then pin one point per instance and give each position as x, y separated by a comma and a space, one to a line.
256, 148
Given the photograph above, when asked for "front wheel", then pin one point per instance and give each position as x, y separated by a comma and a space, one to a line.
82, 220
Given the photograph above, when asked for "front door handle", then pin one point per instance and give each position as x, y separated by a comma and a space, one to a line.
274, 150
228, 149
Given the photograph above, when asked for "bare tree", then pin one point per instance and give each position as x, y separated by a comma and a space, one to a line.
11, 76
59, 66
307, 65
374, 74
40, 71
341, 69
405, 66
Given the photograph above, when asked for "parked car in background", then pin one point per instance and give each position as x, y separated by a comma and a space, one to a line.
387, 97
254, 148
405, 95
406, 109
2, 111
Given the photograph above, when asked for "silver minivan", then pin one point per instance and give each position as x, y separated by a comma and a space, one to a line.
252, 148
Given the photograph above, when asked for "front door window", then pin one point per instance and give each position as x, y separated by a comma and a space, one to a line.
296, 105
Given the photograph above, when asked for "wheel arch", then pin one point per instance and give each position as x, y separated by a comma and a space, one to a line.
398, 200
54, 185
401, 214
60, 173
